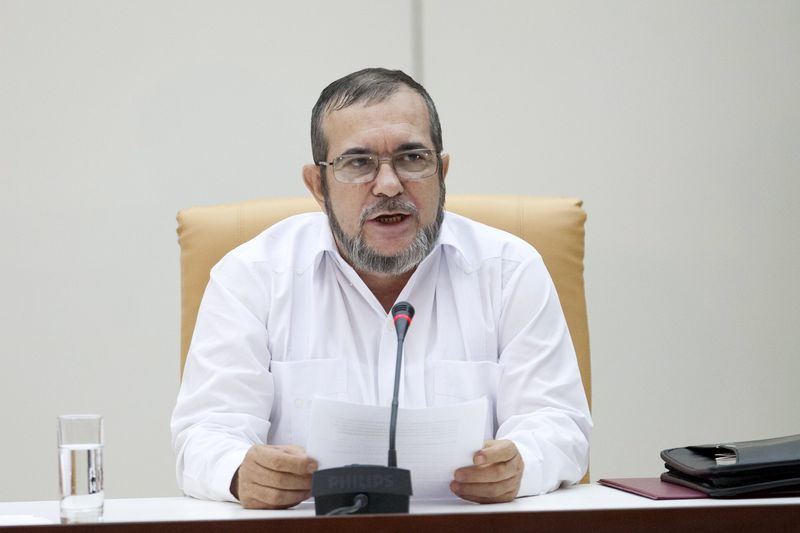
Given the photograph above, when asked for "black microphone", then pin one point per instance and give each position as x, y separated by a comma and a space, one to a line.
370, 489
402, 313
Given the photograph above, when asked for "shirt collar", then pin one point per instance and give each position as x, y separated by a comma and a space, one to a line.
448, 239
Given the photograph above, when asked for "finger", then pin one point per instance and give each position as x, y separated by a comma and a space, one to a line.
510, 497
489, 490
485, 473
291, 449
505, 490
284, 481
289, 459
256, 497
265, 477
495, 451
504, 498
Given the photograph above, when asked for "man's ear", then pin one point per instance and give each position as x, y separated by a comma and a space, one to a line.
312, 177
445, 164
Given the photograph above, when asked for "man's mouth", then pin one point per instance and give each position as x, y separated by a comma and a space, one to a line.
389, 212
391, 218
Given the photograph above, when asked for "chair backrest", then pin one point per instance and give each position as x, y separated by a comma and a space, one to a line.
554, 226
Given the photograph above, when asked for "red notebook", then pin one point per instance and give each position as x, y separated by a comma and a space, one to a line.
653, 488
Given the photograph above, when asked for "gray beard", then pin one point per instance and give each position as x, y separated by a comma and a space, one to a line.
365, 259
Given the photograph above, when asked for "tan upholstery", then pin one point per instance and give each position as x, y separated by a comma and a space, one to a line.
553, 225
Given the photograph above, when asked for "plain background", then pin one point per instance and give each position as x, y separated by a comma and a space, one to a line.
677, 122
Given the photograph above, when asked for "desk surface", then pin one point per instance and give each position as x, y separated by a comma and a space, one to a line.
602, 508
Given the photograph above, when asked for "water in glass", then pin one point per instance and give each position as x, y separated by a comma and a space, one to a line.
81, 480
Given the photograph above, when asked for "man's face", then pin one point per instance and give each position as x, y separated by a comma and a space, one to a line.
387, 225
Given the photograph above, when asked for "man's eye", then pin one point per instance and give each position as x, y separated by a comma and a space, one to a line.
411, 157
357, 162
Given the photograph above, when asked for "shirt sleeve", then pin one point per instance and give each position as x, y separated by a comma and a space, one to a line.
541, 403
227, 390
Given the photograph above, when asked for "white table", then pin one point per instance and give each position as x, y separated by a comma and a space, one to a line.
582, 498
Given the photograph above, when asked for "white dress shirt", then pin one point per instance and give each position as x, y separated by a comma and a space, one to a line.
285, 319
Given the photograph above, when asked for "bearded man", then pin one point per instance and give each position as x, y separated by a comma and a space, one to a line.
302, 312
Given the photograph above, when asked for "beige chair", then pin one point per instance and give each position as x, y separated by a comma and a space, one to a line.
554, 226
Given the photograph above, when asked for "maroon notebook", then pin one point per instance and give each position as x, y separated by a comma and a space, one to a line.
653, 488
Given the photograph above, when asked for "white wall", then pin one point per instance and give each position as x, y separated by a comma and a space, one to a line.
113, 116
677, 122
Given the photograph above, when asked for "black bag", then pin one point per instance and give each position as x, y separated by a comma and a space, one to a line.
769, 467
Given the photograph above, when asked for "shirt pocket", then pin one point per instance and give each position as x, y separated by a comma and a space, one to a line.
461, 381
297, 383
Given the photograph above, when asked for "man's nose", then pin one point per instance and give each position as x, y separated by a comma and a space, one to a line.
387, 182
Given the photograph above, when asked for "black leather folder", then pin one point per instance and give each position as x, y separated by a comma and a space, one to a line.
769, 467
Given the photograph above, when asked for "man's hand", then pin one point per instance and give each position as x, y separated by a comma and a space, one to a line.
495, 477
273, 477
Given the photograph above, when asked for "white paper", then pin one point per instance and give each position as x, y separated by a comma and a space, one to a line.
432, 442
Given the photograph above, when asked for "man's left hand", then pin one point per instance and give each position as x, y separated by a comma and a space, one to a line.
495, 475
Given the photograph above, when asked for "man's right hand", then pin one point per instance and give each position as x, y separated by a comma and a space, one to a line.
273, 477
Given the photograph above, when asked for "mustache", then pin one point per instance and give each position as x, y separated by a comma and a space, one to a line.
388, 204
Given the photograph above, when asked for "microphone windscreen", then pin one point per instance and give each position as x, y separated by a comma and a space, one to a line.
403, 308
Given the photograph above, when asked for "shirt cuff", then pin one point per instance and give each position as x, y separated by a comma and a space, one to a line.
531, 484
226, 468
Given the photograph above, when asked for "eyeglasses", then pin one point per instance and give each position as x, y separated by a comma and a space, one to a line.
409, 165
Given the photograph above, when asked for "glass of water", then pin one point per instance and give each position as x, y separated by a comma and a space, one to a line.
80, 465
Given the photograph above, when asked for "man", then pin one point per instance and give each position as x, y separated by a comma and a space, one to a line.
302, 311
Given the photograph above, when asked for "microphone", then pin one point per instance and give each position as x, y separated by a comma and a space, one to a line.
402, 313
370, 489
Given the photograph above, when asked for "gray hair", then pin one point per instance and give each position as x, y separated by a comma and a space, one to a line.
370, 85
363, 258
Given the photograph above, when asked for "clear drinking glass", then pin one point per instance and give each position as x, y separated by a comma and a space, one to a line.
80, 465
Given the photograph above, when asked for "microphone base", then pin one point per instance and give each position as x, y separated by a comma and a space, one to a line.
388, 489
